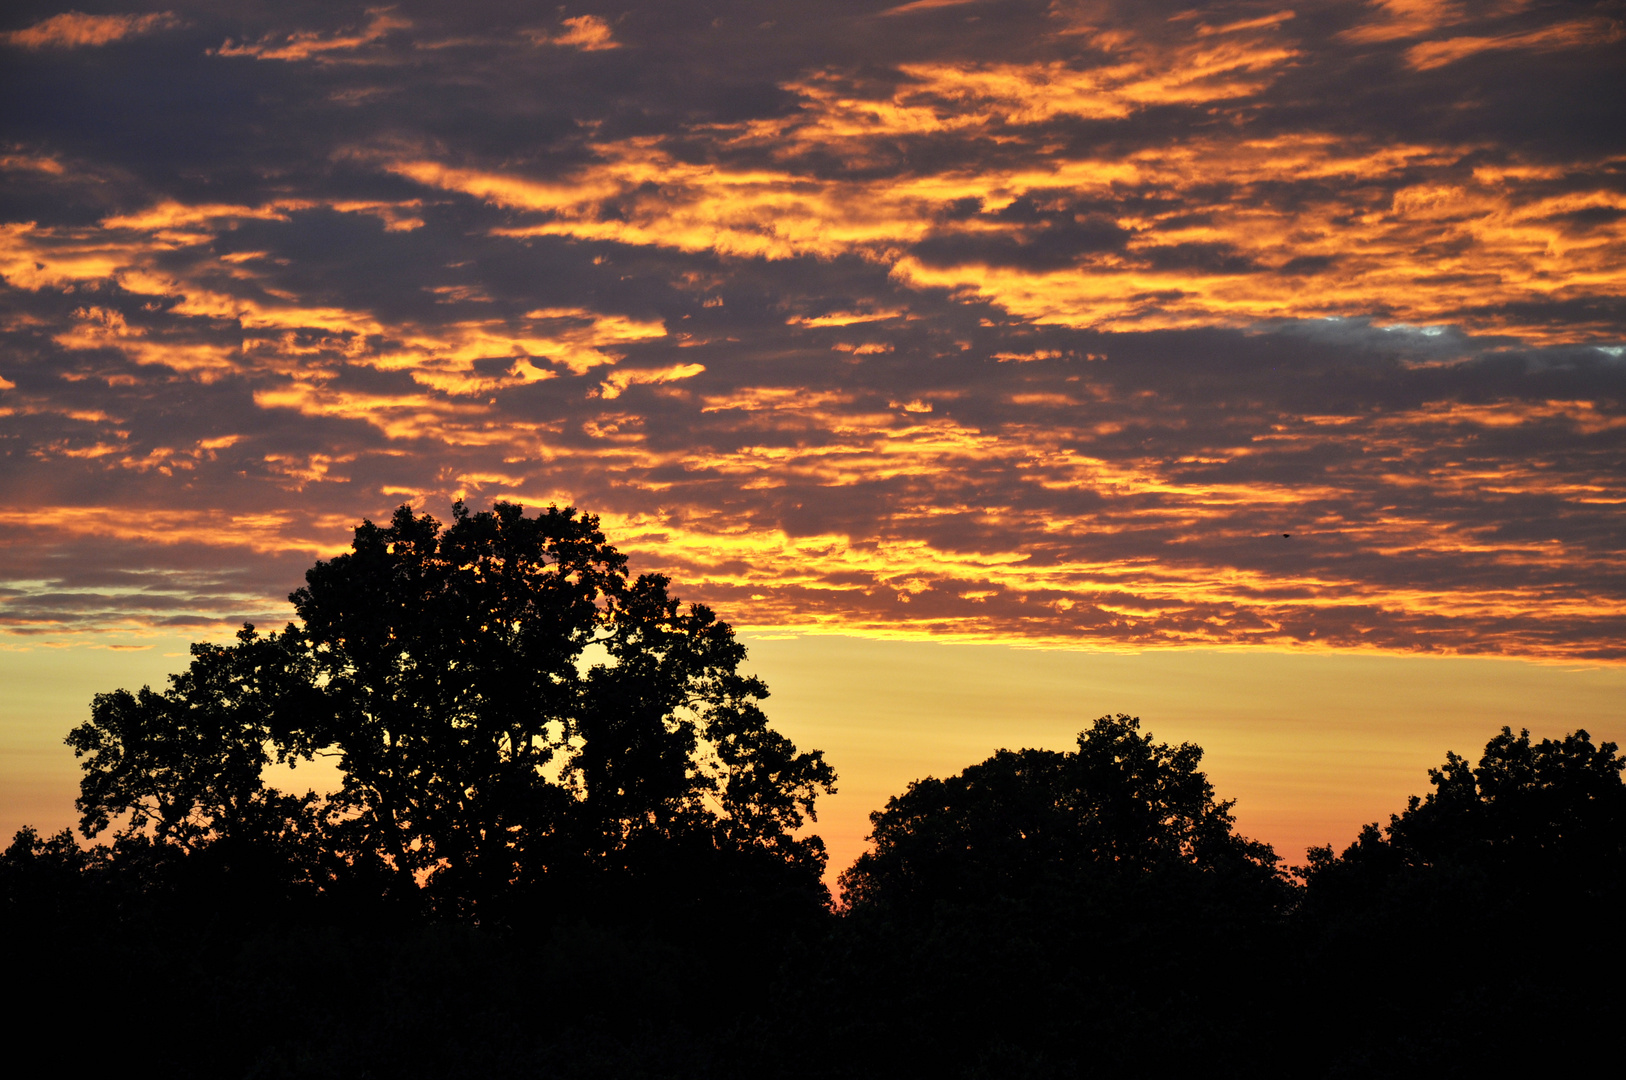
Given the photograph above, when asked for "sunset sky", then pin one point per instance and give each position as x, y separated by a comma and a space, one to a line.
1258, 369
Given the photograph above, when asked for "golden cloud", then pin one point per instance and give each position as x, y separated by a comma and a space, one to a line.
314, 45
74, 29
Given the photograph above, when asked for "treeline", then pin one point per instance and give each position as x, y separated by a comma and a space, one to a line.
569, 844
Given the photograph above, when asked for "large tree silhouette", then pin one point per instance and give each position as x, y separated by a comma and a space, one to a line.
510, 713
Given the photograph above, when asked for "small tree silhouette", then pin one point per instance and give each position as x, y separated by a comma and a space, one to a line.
1054, 909
1118, 807
1531, 820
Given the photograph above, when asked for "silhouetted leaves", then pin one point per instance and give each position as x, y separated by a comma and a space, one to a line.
520, 728
1480, 892
189, 761
567, 846
1118, 808
1531, 824
1058, 909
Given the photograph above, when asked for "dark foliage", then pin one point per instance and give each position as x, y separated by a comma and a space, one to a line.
1532, 823
491, 771
563, 813
1472, 905
1062, 908
566, 846
189, 762
1118, 809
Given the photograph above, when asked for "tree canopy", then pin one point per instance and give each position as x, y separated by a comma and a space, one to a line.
508, 709
1545, 818
567, 841
558, 758
1119, 806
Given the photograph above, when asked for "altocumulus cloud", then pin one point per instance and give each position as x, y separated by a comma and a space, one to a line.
1030, 321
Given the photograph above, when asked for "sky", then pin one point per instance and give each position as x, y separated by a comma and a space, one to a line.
1256, 369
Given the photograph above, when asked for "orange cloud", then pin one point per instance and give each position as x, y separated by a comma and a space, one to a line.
620, 379
314, 45
31, 162
73, 29
1017, 570
923, 5
589, 33
846, 318
903, 420
1405, 255
1399, 19
1577, 33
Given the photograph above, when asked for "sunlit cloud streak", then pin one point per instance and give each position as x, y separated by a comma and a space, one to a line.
313, 45
1113, 326
74, 29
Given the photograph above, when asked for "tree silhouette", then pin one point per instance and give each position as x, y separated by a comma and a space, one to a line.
1054, 909
1544, 818
567, 767
509, 712
1490, 877
561, 757
189, 762
1117, 807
